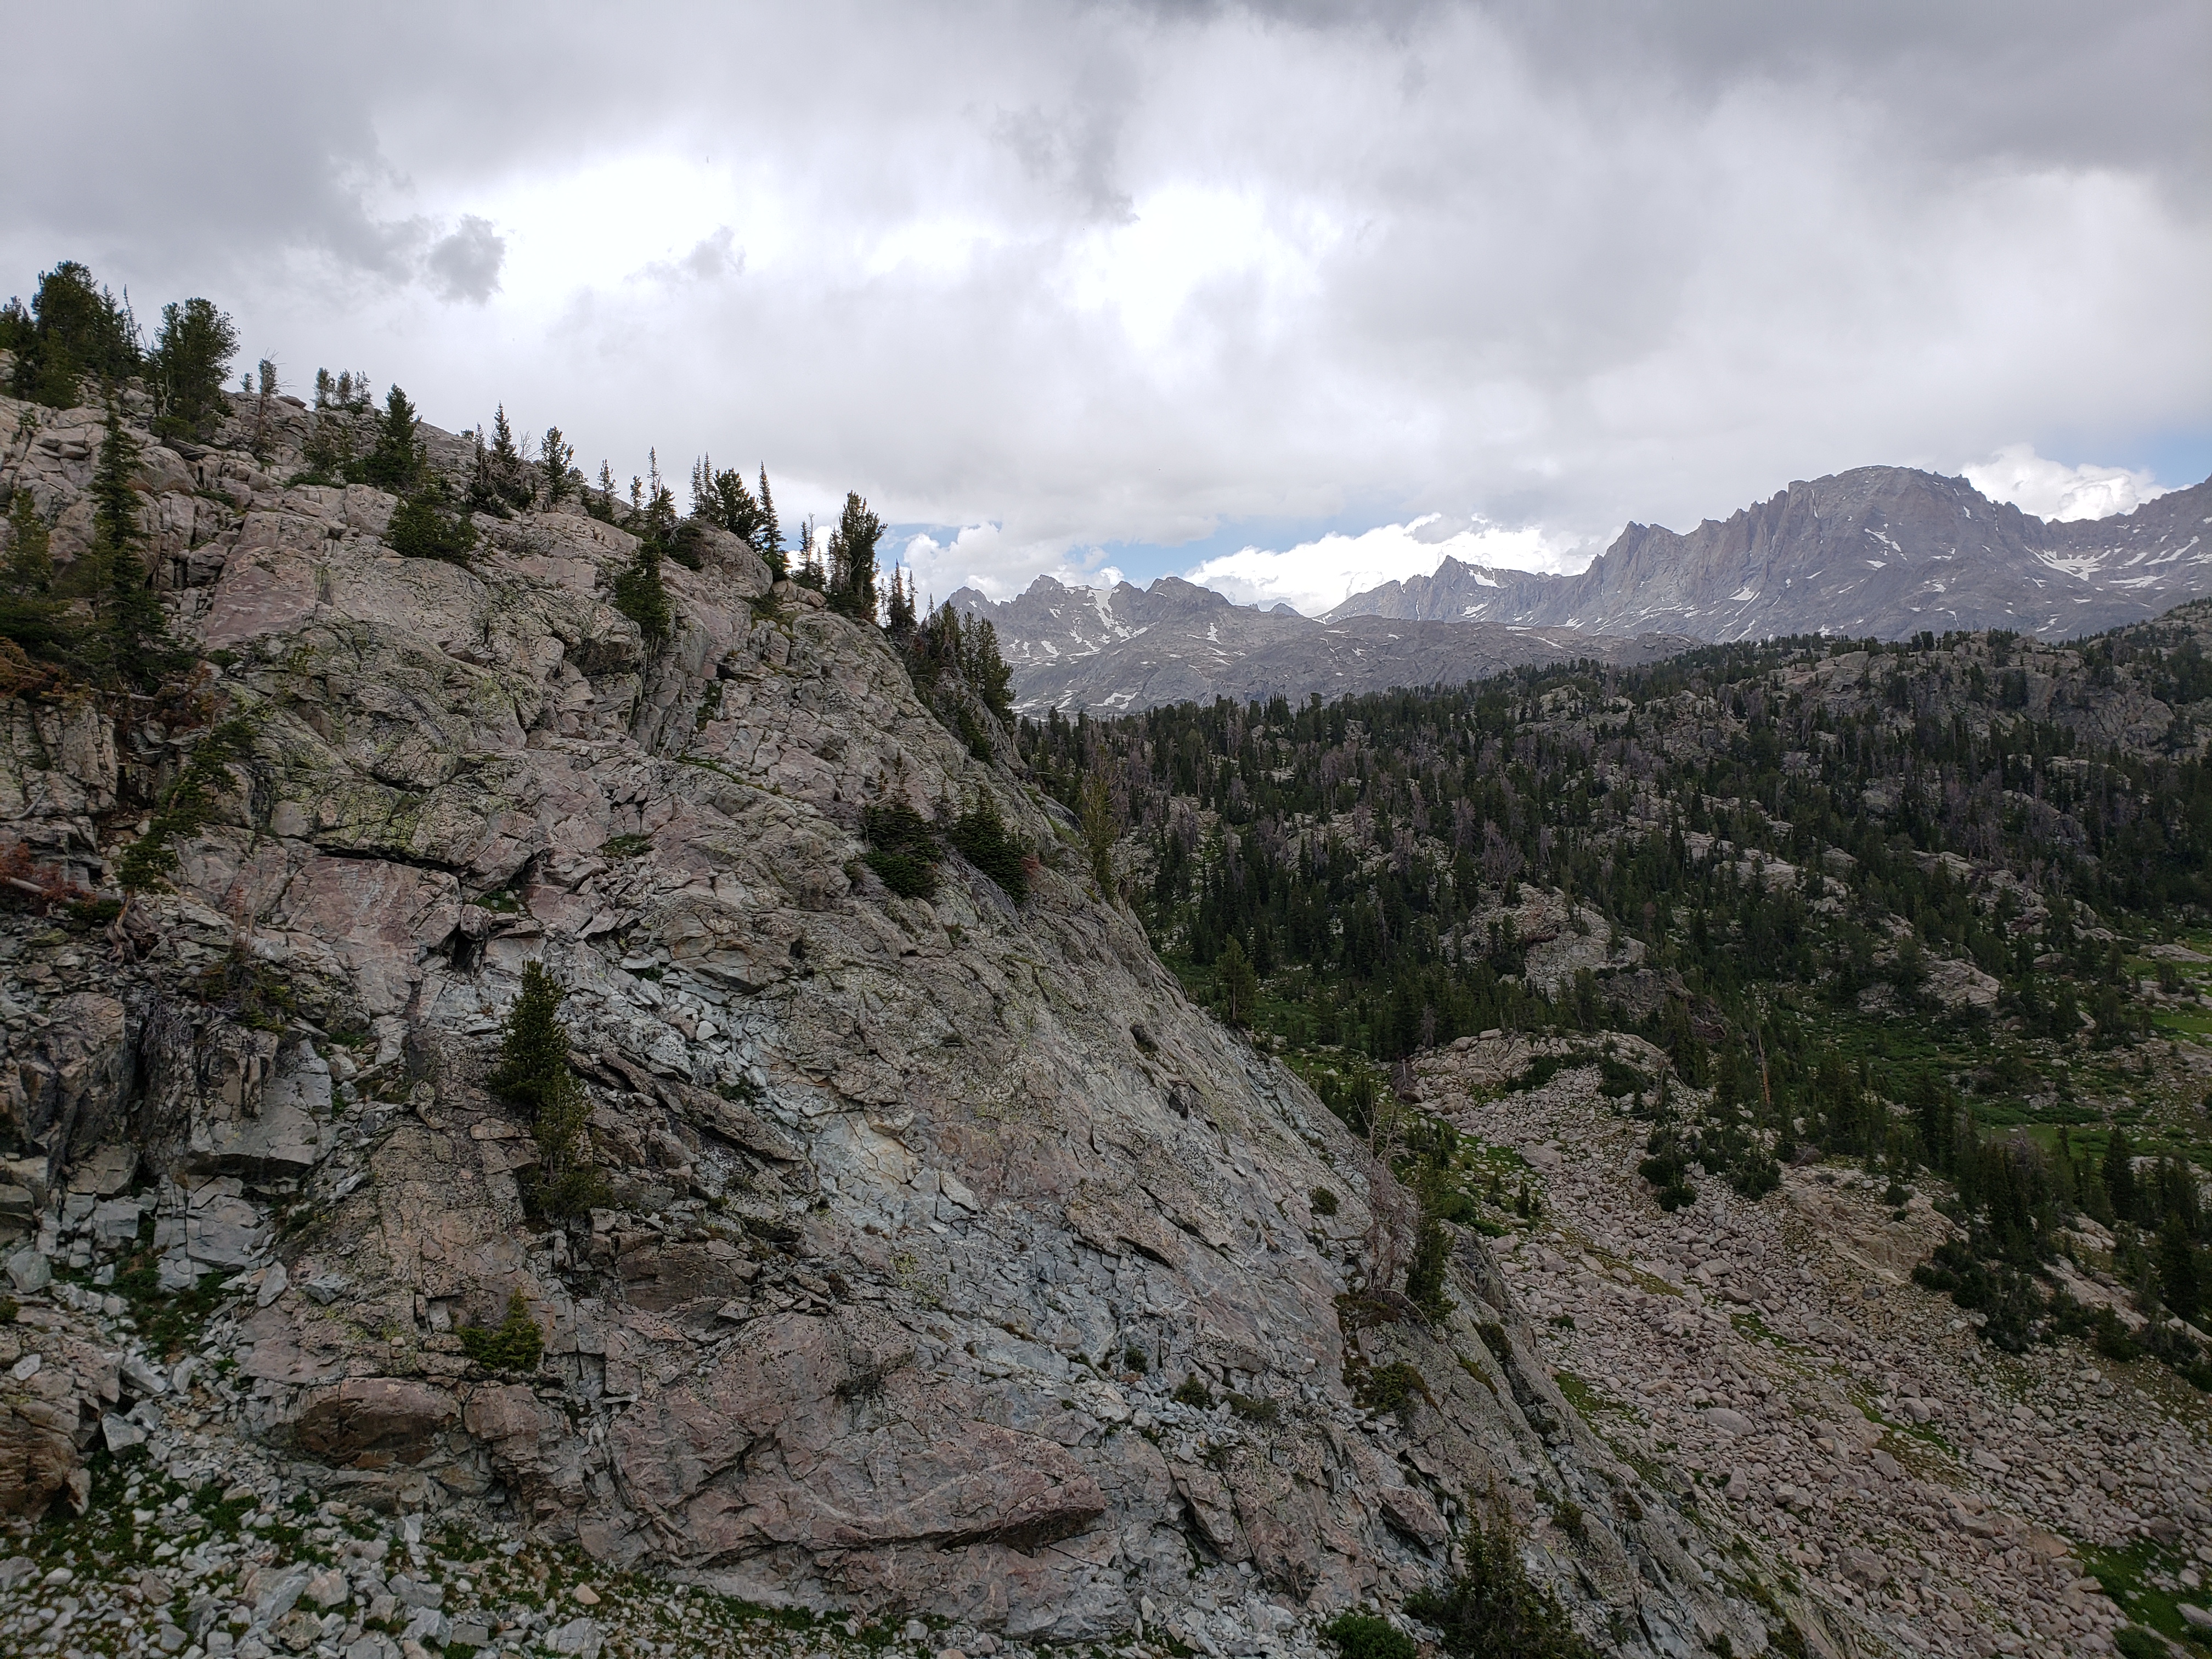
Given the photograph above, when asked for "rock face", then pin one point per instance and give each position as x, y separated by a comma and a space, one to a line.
1884, 551
919, 1212
1138, 649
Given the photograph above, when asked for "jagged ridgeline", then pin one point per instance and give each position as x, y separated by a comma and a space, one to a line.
1940, 907
540, 1021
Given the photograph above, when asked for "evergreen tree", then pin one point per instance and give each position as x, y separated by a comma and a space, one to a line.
396, 459
32, 616
73, 330
769, 544
2119, 1173
901, 623
189, 365
1239, 985
533, 1073
555, 457
129, 639
504, 454
853, 560
2178, 1279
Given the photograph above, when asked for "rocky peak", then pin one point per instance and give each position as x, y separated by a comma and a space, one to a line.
1884, 551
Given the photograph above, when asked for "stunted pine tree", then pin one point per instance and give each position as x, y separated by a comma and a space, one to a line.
853, 560
554, 461
770, 541
533, 1073
130, 641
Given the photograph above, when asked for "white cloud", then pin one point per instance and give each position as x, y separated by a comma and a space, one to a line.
2053, 489
1079, 275
1317, 575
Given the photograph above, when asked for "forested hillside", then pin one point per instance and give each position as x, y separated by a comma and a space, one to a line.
1881, 901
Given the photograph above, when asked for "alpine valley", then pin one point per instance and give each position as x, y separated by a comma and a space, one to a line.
578, 1081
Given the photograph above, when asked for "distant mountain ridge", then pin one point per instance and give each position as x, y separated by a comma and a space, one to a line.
1136, 647
1879, 550
1885, 552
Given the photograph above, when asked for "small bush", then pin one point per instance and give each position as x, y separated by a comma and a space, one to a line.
424, 528
1425, 1274
1136, 1359
1389, 1387
980, 836
1362, 1636
513, 1344
904, 873
1492, 1610
1191, 1391
903, 848
1254, 1409
1324, 1201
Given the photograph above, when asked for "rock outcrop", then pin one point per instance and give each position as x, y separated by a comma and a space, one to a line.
949, 1261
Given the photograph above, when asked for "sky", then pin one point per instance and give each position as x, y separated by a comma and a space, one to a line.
1293, 298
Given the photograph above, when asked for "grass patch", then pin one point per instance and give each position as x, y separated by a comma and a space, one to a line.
2126, 1576
1585, 1398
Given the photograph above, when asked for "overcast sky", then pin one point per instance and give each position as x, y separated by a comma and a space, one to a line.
1298, 296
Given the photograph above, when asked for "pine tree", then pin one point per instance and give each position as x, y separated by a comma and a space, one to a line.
130, 641
2119, 1173
504, 454
2177, 1270
396, 459
771, 543
189, 364
900, 624
853, 560
74, 329
33, 618
1239, 985
533, 1073
557, 458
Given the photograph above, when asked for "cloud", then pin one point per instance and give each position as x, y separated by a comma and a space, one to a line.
1317, 575
2053, 489
466, 265
1089, 272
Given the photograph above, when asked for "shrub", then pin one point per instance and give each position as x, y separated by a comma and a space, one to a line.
1425, 1274
1492, 1610
1362, 1636
513, 1344
980, 836
1324, 1201
1254, 1409
1389, 1387
903, 848
1192, 1391
423, 526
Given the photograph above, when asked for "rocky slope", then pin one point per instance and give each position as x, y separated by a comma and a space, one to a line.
952, 1263
1879, 551
1843, 1429
1137, 648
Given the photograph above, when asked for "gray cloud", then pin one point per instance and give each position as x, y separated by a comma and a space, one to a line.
464, 265
1097, 273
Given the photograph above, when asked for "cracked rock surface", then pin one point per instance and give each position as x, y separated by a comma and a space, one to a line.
920, 1212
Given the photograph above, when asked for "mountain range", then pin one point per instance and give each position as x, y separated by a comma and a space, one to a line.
1878, 551
1175, 641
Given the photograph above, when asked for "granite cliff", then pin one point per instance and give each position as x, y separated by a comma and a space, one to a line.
951, 1262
